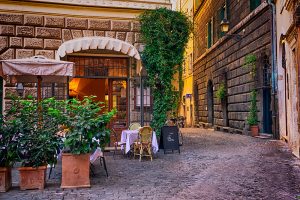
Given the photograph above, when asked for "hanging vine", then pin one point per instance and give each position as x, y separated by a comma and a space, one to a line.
165, 34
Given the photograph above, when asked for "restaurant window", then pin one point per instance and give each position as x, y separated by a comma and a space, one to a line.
210, 33
147, 97
56, 90
254, 4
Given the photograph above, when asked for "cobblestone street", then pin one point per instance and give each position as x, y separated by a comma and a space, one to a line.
212, 165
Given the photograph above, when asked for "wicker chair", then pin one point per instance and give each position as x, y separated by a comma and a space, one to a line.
134, 126
144, 145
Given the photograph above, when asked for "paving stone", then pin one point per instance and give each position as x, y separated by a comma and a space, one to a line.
8, 54
27, 31
34, 43
121, 25
7, 30
11, 18
99, 33
3, 43
211, 165
88, 33
46, 53
99, 24
53, 21
51, 33
33, 20
121, 36
66, 35
24, 53
16, 42
136, 26
76, 33
111, 34
76, 23
52, 44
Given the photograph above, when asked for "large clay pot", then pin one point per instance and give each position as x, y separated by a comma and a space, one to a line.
32, 177
75, 170
254, 131
5, 179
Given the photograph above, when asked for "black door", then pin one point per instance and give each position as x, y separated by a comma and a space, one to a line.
210, 102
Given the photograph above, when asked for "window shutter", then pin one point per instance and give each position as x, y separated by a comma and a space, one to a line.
254, 4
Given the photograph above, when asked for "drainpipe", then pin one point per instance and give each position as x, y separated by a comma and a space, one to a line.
274, 65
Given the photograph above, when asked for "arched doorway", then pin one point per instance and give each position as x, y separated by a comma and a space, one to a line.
210, 102
103, 68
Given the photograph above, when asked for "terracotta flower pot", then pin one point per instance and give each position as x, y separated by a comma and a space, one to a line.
32, 178
75, 170
254, 131
5, 179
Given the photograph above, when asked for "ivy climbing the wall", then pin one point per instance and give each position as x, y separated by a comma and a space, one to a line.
165, 34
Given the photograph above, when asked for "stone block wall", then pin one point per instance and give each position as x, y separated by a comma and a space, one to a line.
26, 35
227, 56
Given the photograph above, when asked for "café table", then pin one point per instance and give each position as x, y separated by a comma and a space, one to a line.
130, 136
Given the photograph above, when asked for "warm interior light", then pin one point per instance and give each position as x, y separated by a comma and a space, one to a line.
224, 25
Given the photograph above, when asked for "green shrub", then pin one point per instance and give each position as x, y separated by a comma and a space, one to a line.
165, 34
221, 92
86, 124
252, 117
250, 62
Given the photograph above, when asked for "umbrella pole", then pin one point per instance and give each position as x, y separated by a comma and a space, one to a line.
39, 88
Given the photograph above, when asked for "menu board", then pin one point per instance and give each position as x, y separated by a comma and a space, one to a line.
170, 138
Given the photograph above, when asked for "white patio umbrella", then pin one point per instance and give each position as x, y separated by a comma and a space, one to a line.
37, 69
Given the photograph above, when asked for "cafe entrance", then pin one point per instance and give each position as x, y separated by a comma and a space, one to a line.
106, 78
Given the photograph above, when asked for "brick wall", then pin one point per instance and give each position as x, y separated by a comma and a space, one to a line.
227, 57
27, 35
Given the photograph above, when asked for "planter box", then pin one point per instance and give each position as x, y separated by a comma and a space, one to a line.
75, 170
32, 178
254, 131
5, 179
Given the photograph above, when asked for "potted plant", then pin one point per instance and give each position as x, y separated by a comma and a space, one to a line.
252, 117
38, 144
8, 143
86, 122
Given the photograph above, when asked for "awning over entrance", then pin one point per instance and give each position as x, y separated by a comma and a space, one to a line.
28, 69
107, 43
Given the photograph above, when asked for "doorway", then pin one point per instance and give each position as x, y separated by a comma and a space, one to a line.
210, 103
107, 79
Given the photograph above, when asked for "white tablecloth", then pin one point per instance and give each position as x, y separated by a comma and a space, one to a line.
130, 136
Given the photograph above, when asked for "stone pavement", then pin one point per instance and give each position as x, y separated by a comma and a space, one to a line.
212, 165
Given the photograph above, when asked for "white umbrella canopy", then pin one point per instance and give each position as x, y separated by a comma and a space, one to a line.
36, 69
28, 69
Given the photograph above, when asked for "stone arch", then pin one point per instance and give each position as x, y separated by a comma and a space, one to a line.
105, 43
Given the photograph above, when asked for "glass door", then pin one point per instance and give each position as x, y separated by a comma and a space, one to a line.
118, 100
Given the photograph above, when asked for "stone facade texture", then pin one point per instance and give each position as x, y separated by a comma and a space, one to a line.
223, 63
24, 35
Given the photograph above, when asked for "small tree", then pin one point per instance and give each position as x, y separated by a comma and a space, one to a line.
252, 117
165, 34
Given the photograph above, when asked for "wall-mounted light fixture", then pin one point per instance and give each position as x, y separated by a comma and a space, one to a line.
20, 89
224, 25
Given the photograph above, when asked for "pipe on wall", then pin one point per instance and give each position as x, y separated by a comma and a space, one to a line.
274, 66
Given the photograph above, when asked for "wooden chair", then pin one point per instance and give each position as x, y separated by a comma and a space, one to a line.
118, 145
144, 145
134, 126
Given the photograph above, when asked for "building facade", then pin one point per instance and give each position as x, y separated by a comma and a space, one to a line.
186, 107
101, 37
220, 61
288, 39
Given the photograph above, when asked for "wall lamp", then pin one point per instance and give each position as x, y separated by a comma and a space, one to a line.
20, 89
225, 28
